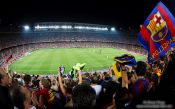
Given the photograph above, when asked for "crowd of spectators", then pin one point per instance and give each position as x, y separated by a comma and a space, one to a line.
150, 85
15, 39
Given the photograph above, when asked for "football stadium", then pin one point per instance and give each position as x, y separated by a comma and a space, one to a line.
48, 45
51, 45
80, 56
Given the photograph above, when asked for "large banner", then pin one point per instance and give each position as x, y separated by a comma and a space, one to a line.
157, 34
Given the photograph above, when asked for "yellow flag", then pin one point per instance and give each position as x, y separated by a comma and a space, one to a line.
117, 71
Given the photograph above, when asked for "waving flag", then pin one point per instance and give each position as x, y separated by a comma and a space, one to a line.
126, 59
157, 34
10, 57
75, 68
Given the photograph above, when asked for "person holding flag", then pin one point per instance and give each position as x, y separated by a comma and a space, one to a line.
123, 64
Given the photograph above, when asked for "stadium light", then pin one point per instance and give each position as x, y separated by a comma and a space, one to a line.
91, 28
55, 27
113, 29
26, 27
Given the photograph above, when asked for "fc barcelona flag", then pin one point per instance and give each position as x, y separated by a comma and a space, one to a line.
157, 34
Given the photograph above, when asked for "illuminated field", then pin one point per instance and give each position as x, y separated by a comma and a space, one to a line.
46, 61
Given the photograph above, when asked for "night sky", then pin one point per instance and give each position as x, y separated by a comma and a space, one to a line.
118, 13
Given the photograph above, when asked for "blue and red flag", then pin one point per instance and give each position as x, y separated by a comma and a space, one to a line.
157, 34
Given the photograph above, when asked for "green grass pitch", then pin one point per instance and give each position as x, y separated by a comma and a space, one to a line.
46, 61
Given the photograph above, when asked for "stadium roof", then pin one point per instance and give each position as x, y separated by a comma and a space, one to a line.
128, 14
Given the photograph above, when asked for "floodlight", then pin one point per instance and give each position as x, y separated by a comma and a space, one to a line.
26, 27
112, 29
